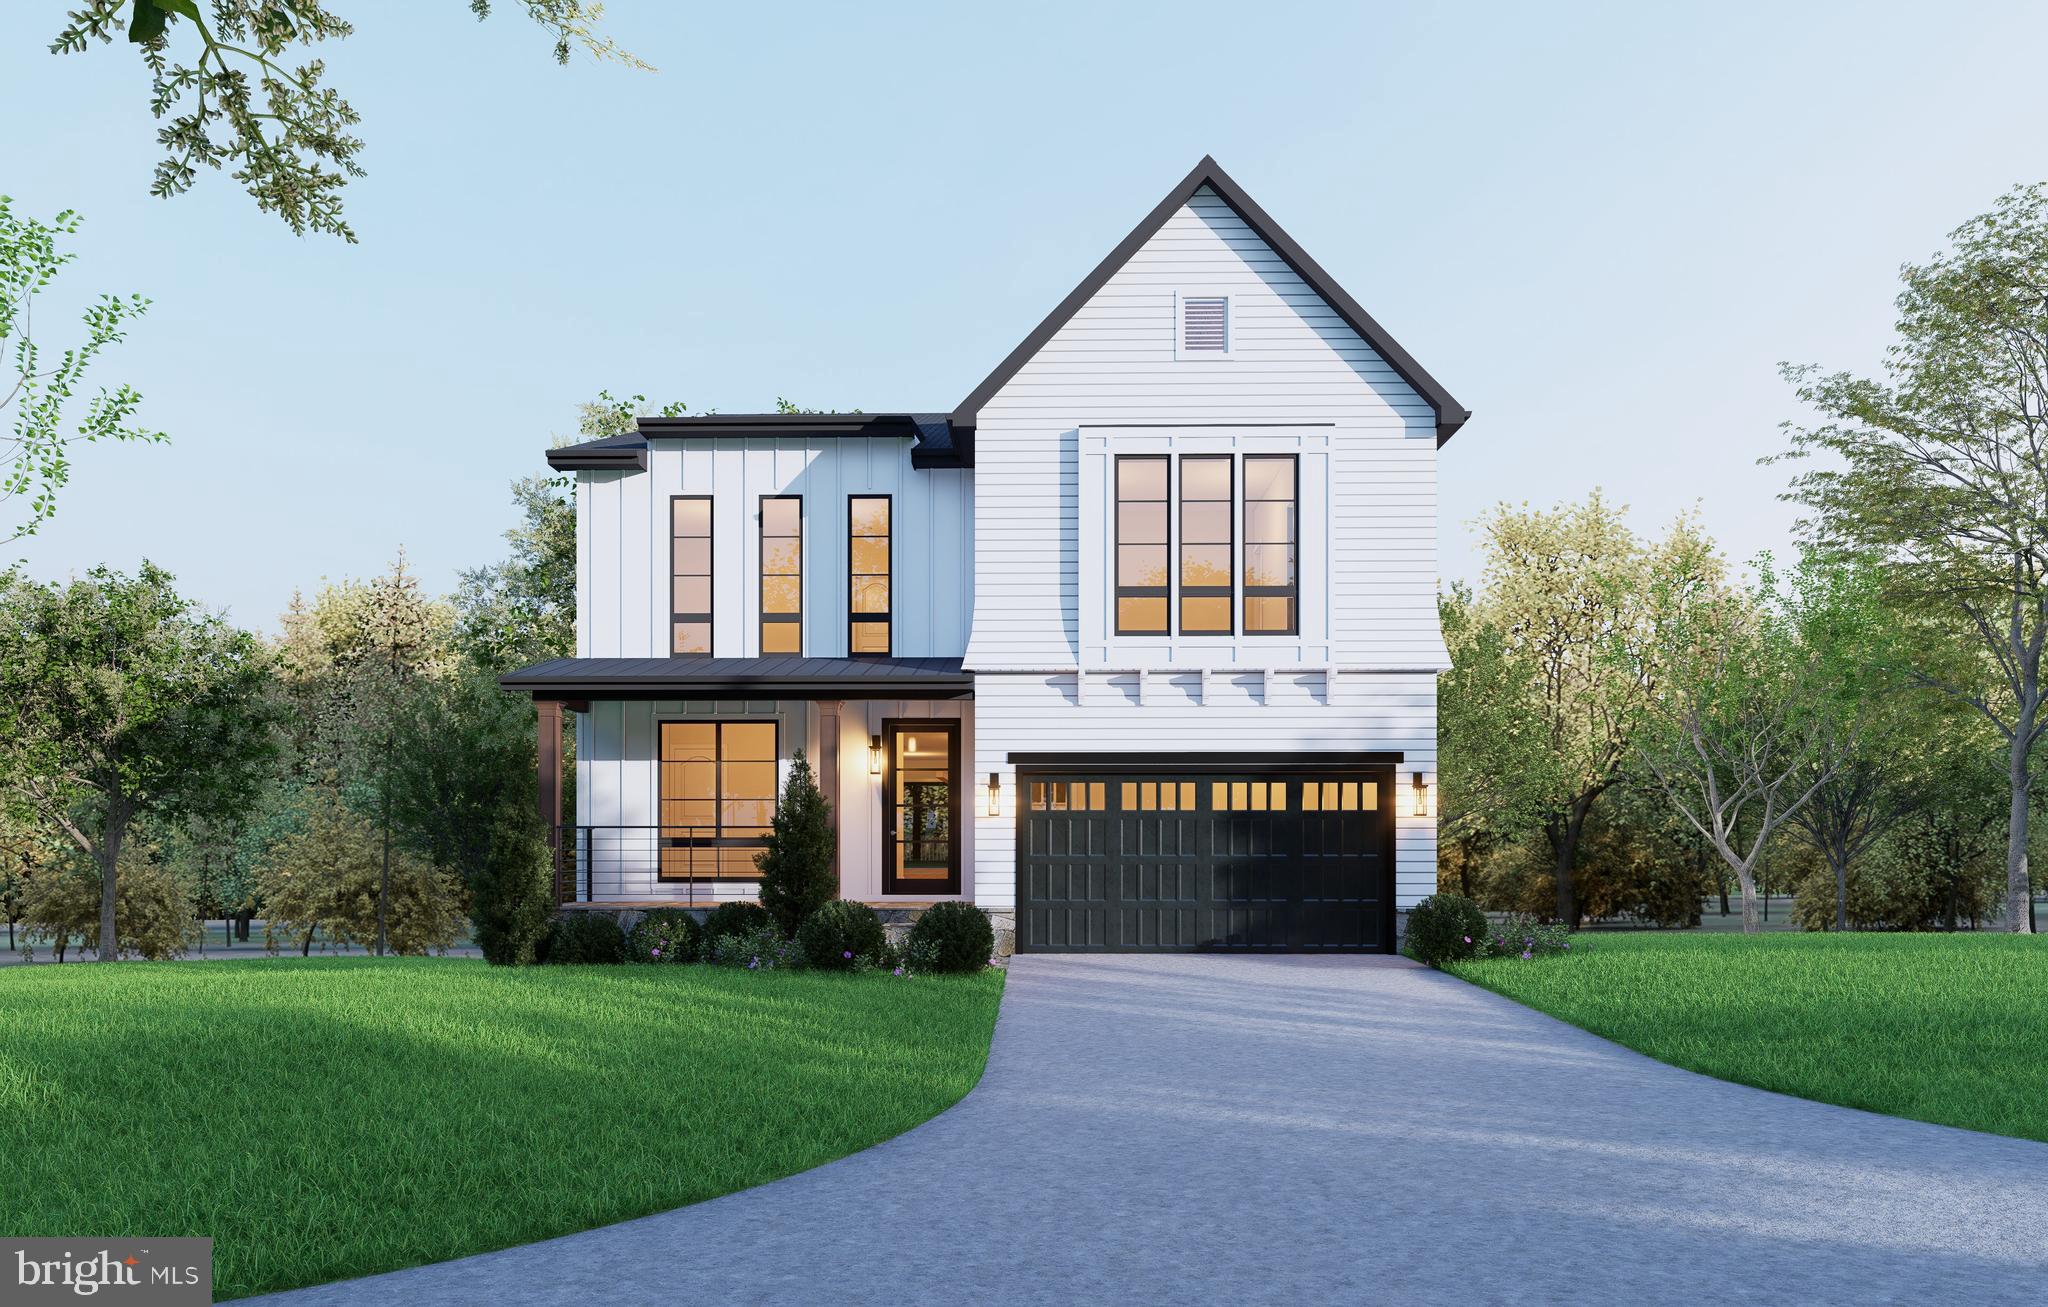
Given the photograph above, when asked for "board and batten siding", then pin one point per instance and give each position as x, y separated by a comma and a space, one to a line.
1111, 381
622, 544
1286, 713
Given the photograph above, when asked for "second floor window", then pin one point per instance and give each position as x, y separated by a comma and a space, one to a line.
1205, 544
690, 575
782, 574
1141, 544
867, 575
1271, 539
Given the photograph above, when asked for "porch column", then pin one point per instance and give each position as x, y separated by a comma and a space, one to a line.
828, 767
549, 753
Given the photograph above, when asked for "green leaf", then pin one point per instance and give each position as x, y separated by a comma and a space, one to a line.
148, 23
186, 8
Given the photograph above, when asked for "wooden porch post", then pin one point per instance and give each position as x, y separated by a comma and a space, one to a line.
549, 711
827, 765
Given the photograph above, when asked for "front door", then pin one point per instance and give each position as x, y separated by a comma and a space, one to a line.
921, 807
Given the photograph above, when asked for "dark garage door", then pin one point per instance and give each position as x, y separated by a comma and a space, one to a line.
1276, 861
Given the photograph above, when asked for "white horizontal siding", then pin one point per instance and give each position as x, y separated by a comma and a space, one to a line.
1372, 600
1051, 713
623, 538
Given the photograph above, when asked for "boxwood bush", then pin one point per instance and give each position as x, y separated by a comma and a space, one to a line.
736, 918
663, 935
577, 937
952, 937
842, 934
1445, 928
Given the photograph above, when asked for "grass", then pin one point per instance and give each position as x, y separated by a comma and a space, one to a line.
1942, 1028
327, 1118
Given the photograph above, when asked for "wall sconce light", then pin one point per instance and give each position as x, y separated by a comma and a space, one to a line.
995, 794
1418, 802
874, 755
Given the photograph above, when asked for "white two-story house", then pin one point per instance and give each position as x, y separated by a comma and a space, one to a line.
1136, 647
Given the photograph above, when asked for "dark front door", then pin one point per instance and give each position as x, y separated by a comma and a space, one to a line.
921, 807
1277, 861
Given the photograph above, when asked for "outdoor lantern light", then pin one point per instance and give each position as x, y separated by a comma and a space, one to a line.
1419, 804
995, 794
874, 755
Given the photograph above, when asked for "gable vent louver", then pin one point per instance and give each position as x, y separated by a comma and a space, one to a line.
1205, 324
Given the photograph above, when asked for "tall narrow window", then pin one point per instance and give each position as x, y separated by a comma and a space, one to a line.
690, 575
1141, 544
867, 575
1270, 534
782, 574
1205, 540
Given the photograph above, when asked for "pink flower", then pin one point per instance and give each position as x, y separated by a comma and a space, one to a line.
1468, 939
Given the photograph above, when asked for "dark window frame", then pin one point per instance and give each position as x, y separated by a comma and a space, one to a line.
765, 618
1122, 591
887, 619
717, 839
710, 576
1290, 591
1226, 591
891, 726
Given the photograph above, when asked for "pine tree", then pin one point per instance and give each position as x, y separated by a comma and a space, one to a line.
796, 869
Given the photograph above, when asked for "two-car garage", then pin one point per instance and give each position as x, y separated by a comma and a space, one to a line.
1156, 855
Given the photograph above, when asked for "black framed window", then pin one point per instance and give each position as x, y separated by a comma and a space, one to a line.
1141, 544
1271, 544
690, 575
782, 574
1207, 537
868, 518
718, 794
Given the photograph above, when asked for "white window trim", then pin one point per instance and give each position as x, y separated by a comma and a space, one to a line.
1180, 351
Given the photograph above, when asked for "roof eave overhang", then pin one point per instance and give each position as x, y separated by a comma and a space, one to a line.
578, 689
597, 460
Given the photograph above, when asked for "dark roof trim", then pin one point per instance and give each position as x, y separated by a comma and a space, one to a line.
611, 454
1166, 763
902, 425
1450, 414
583, 679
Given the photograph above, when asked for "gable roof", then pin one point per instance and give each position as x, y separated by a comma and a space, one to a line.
1450, 414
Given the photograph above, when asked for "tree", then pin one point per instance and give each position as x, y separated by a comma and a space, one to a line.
1941, 472
328, 875
1562, 587
1761, 700
154, 916
118, 700
43, 424
796, 867
463, 751
287, 137
1490, 746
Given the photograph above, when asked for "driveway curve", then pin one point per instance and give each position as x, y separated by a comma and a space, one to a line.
1321, 1130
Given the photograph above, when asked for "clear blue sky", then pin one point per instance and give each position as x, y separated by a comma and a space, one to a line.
1600, 226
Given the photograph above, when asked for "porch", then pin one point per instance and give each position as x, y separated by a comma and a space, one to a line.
680, 763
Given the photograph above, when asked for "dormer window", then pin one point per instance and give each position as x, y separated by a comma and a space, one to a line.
1204, 326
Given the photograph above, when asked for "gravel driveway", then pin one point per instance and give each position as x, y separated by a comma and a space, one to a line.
1322, 1130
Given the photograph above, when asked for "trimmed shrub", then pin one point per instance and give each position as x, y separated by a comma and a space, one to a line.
760, 949
841, 934
953, 937
736, 919
1445, 928
796, 868
580, 937
663, 935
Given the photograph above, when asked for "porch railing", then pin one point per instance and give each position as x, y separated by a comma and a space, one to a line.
597, 864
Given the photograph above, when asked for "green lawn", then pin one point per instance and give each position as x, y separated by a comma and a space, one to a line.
329, 1118
1944, 1028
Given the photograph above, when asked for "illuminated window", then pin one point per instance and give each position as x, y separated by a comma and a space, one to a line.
782, 574
1270, 538
718, 788
1141, 544
867, 581
1205, 544
690, 575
